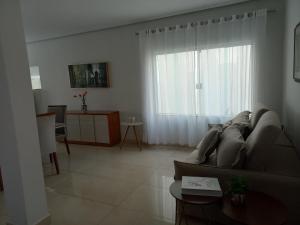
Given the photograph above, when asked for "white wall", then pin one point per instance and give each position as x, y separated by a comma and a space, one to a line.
20, 158
291, 93
119, 47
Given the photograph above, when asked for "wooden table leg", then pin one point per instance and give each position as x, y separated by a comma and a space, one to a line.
137, 139
127, 128
55, 162
180, 214
1, 182
142, 135
183, 214
67, 145
177, 213
51, 158
206, 216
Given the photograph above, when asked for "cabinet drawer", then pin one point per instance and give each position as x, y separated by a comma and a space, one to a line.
101, 129
73, 127
87, 129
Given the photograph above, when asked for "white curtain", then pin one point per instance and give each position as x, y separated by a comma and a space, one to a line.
199, 74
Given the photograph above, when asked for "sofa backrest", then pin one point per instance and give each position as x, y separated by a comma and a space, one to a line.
265, 153
258, 111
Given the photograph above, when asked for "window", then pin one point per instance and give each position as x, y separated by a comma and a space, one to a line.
210, 82
35, 77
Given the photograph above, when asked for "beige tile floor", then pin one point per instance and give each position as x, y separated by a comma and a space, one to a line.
109, 186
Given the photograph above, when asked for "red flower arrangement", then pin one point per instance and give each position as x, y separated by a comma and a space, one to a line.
82, 96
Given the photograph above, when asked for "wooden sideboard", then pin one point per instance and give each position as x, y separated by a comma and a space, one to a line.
93, 127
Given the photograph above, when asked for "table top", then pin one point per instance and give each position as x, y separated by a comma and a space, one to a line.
259, 208
175, 190
90, 112
132, 123
45, 114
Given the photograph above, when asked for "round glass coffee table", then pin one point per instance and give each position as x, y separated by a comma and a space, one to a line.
183, 200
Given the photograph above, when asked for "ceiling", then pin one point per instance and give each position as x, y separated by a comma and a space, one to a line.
55, 18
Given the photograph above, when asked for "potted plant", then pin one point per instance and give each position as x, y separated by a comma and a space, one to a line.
238, 189
82, 96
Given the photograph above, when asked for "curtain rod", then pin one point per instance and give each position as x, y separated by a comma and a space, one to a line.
206, 21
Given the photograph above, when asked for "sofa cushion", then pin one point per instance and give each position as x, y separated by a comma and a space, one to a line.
242, 122
192, 157
259, 110
208, 144
231, 151
242, 117
212, 159
244, 128
261, 141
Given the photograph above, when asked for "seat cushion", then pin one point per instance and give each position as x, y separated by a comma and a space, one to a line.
231, 152
208, 144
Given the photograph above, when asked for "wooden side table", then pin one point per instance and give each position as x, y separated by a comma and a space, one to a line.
259, 209
183, 200
133, 125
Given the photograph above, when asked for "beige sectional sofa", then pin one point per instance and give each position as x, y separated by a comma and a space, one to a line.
272, 166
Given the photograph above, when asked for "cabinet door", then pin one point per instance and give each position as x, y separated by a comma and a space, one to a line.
73, 127
87, 129
101, 129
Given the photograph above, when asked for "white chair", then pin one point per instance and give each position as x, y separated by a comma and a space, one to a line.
61, 128
46, 129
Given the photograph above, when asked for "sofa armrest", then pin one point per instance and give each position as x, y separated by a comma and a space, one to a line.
257, 180
284, 188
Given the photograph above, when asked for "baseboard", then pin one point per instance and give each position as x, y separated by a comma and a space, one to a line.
45, 221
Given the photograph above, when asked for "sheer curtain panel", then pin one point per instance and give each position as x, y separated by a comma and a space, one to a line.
199, 73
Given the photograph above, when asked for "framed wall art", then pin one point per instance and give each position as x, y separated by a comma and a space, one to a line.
93, 75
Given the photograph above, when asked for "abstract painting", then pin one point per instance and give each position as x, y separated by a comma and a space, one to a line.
93, 75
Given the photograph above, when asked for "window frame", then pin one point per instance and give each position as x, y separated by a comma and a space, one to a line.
197, 53
33, 76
